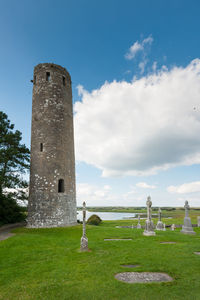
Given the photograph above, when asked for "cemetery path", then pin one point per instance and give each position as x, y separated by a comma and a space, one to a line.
5, 230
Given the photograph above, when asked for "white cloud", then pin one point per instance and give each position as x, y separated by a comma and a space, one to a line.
94, 195
144, 185
193, 201
138, 47
154, 66
185, 188
141, 127
142, 66
148, 40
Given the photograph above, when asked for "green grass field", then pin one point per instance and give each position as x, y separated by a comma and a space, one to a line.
47, 264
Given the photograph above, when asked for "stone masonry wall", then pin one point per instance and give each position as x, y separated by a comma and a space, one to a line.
52, 149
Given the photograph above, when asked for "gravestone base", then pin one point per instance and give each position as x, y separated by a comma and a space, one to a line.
84, 243
160, 225
149, 233
187, 227
149, 228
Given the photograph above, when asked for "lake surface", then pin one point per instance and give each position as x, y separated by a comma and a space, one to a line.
106, 216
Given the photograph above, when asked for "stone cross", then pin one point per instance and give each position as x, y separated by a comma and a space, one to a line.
84, 239
159, 214
139, 225
149, 203
187, 207
84, 217
187, 226
159, 225
149, 226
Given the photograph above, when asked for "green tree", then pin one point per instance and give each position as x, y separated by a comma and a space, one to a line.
14, 161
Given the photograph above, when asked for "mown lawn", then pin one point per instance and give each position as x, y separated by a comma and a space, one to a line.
46, 264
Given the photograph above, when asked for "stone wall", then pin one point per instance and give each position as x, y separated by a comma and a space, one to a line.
51, 203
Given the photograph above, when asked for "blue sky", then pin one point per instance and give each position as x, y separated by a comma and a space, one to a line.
135, 73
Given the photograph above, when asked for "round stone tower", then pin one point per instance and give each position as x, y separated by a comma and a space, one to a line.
52, 197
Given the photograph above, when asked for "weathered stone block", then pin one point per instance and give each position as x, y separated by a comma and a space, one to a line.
160, 225
187, 227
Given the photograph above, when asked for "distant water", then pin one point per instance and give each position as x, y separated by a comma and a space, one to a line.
106, 216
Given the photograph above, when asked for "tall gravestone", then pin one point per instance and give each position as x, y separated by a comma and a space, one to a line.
52, 197
138, 224
198, 221
84, 239
160, 225
187, 227
149, 226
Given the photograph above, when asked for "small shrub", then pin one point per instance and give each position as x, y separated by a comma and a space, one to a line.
94, 220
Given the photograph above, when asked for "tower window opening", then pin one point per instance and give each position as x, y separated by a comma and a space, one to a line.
63, 80
48, 76
34, 81
61, 186
41, 147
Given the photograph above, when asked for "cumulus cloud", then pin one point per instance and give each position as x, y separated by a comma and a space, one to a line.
154, 66
138, 47
142, 66
95, 195
185, 188
133, 50
144, 185
141, 127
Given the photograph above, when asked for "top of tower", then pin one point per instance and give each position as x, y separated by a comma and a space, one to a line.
51, 66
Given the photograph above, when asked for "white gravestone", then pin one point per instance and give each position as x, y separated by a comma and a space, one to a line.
198, 221
84, 239
187, 227
160, 225
149, 227
139, 225
173, 227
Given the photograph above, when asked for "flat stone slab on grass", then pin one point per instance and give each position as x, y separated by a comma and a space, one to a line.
197, 253
117, 240
168, 243
143, 277
130, 266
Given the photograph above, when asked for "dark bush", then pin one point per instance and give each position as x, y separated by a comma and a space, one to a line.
94, 220
10, 211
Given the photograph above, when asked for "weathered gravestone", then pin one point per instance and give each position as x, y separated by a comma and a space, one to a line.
149, 226
160, 225
187, 227
84, 239
173, 227
138, 224
198, 221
